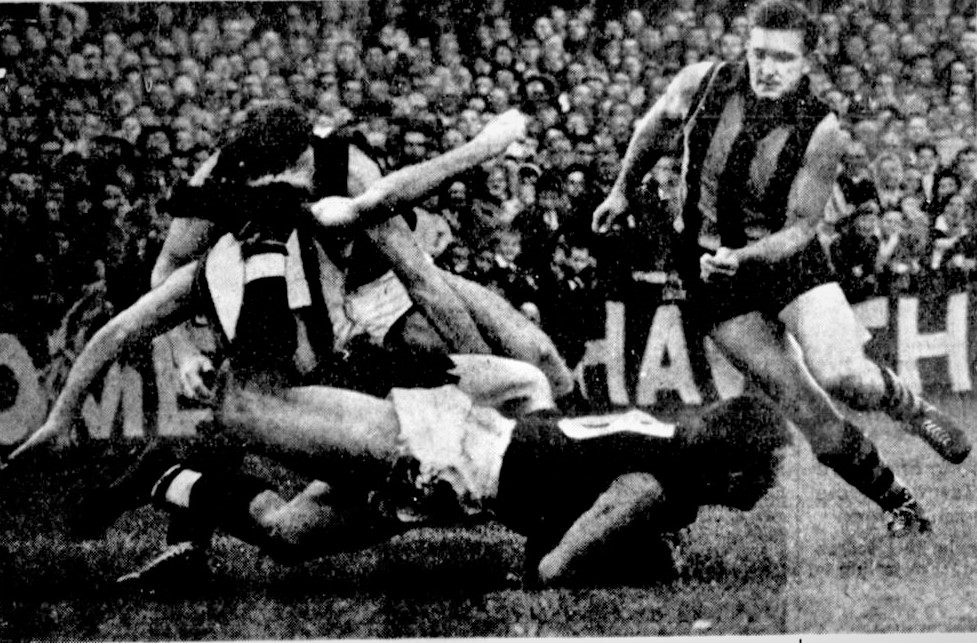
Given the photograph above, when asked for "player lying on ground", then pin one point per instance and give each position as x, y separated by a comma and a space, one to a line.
761, 153
275, 144
574, 486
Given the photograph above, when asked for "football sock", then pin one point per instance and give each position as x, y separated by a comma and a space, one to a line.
859, 464
898, 401
177, 492
266, 334
213, 453
217, 500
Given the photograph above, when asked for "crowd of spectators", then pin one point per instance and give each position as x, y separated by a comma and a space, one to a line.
108, 106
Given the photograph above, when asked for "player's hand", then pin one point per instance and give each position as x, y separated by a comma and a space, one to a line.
197, 377
503, 130
608, 211
724, 263
335, 211
49, 430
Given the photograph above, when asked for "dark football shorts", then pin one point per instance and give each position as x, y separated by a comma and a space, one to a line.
763, 288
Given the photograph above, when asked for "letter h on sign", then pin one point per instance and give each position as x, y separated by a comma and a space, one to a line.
912, 345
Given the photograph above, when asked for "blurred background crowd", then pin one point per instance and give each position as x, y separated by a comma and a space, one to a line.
108, 106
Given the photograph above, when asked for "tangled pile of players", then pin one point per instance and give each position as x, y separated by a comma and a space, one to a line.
414, 397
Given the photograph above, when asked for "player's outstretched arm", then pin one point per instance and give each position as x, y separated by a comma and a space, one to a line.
157, 311
629, 497
412, 182
653, 136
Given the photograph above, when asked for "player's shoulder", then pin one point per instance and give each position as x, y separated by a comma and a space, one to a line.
691, 76
685, 84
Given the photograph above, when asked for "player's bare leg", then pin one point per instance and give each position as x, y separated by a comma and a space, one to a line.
764, 351
511, 386
316, 522
349, 436
511, 334
832, 341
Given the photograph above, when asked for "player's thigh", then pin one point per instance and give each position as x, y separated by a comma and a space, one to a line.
315, 429
761, 349
502, 383
830, 336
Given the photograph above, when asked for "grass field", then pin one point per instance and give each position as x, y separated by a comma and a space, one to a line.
813, 557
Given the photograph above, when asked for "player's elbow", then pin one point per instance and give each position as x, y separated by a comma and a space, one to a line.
165, 265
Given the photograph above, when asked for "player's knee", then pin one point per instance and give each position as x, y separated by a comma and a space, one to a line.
275, 526
284, 534
842, 377
236, 406
533, 391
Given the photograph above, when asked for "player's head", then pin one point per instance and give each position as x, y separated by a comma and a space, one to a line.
271, 138
736, 448
782, 36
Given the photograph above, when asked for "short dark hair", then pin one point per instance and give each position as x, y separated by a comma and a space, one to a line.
745, 435
787, 15
271, 138
549, 182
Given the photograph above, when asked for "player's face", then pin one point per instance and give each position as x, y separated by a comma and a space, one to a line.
777, 61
